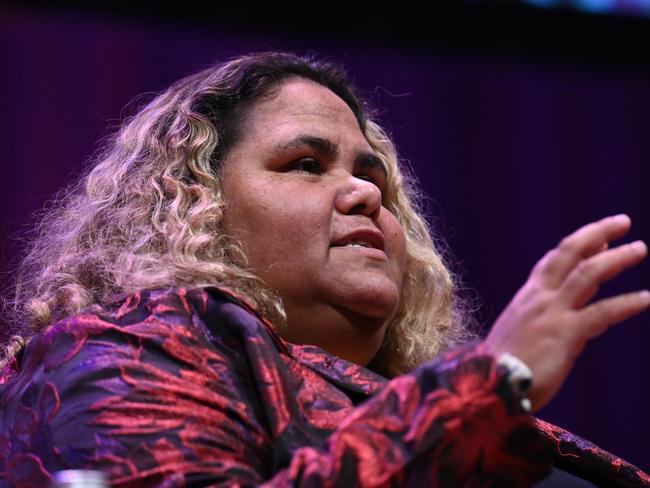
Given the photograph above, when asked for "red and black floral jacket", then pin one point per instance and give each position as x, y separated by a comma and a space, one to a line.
189, 387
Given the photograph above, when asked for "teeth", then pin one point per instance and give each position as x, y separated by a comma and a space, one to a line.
357, 244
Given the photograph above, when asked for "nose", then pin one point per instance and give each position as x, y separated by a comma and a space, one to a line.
358, 196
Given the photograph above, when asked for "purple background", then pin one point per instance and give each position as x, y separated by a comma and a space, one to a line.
514, 151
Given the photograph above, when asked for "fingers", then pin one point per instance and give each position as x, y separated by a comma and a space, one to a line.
585, 242
583, 282
599, 316
604, 247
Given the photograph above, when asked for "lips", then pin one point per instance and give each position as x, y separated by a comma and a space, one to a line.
372, 238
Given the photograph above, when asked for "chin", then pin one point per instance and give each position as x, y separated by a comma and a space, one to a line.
373, 302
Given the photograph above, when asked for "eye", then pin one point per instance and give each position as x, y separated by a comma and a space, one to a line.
306, 165
368, 178
316, 167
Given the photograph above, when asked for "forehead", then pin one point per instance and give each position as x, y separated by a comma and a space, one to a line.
298, 105
301, 95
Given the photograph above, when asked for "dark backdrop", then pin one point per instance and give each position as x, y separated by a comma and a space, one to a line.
516, 145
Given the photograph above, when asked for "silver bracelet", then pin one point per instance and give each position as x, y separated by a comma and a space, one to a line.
519, 375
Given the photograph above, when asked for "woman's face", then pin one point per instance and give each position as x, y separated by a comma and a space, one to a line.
303, 192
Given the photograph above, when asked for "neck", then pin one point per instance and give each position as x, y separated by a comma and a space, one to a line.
339, 331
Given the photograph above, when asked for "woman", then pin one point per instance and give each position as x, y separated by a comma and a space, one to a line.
242, 291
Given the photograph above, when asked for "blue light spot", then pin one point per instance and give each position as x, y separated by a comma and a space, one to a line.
595, 5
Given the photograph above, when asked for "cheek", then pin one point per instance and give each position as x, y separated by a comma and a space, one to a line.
246, 218
396, 240
275, 227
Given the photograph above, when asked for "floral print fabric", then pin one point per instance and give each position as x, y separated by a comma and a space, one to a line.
190, 387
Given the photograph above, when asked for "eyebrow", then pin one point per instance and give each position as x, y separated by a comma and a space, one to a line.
327, 148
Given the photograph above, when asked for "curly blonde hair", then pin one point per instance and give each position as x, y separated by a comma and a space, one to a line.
147, 213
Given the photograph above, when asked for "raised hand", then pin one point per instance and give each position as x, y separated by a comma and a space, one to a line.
549, 321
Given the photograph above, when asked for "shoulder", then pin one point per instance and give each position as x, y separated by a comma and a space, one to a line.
171, 327
171, 303
115, 388
153, 316
212, 308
